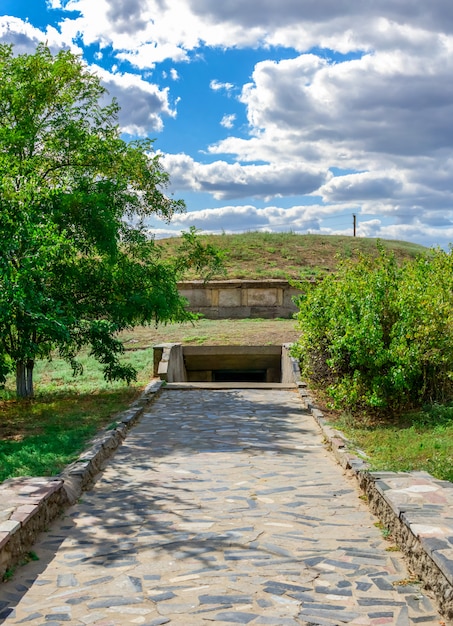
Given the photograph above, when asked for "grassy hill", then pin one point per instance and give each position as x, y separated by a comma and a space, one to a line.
255, 255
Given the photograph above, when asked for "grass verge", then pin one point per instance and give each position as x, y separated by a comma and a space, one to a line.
40, 437
421, 440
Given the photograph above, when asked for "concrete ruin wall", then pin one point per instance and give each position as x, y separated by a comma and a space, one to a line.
239, 299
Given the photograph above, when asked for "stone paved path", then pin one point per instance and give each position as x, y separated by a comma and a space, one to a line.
220, 507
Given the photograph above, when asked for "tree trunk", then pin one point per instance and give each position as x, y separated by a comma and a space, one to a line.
29, 376
24, 378
21, 380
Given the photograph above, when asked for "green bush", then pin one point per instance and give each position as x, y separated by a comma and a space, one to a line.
380, 335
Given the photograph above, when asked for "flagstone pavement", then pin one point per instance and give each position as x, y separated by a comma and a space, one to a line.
220, 507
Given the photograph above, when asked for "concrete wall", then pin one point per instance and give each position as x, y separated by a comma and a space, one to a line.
169, 362
177, 363
239, 299
290, 366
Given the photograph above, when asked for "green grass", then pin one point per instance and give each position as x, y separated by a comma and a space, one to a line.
420, 440
39, 437
57, 374
198, 339
256, 255
214, 332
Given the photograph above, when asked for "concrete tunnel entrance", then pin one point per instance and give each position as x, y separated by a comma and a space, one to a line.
176, 363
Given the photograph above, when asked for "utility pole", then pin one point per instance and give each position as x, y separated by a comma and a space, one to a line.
354, 223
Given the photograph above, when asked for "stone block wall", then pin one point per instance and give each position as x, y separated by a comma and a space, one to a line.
240, 299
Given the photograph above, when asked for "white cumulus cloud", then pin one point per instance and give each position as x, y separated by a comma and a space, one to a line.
232, 180
228, 120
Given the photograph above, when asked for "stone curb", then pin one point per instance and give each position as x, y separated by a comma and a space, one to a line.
28, 505
414, 507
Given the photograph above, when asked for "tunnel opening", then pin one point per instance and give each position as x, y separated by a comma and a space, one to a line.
255, 365
239, 376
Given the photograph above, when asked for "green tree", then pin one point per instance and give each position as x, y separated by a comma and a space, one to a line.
76, 264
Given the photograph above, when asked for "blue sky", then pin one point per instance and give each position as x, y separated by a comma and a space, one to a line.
289, 115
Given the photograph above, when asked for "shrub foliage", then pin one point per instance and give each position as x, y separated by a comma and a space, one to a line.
378, 334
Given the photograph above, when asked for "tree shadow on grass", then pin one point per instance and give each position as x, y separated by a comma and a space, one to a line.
41, 438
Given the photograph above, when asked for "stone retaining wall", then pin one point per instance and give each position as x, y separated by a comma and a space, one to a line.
28, 506
415, 508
